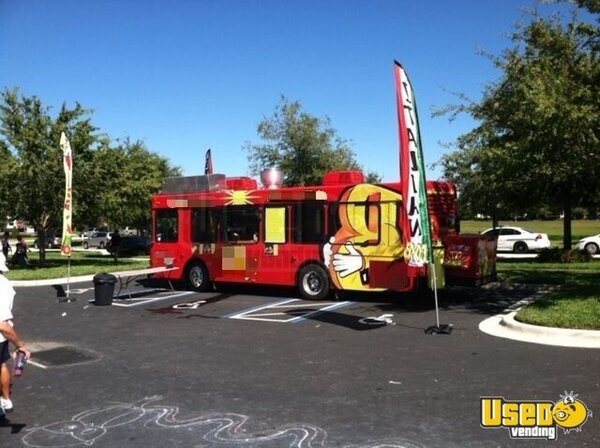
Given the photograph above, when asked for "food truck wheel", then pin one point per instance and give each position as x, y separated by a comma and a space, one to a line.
313, 282
197, 276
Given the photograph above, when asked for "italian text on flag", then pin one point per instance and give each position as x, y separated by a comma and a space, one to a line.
415, 223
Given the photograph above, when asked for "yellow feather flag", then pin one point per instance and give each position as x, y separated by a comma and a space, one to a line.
65, 248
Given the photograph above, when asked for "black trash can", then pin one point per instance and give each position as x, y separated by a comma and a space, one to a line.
104, 288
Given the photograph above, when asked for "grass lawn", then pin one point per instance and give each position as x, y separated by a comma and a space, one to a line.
82, 263
574, 304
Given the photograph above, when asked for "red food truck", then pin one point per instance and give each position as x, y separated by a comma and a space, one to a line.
344, 234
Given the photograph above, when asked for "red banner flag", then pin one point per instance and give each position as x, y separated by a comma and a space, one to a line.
208, 166
415, 223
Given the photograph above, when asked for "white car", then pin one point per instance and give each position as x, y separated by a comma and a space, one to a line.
591, 244
517, 239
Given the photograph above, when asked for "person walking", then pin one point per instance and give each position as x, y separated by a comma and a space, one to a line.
7, 334
6, 245
115, 244
21, 258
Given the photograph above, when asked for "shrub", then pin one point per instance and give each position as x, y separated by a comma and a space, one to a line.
551, 255
576, 256
558, 255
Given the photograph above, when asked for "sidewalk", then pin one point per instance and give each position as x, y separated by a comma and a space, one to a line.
51, 281
506, 326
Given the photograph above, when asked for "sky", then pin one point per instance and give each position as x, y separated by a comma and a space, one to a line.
184, 76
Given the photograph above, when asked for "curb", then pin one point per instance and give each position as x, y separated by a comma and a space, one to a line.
505, 326
51, 281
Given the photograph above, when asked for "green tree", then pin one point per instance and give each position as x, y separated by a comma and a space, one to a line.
131, 175
110, 184
31, 135
539, 132
591, 5
303, 146
7, 168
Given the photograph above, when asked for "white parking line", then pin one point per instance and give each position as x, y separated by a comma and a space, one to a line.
252, 314
144, 301
322, 310
257, 308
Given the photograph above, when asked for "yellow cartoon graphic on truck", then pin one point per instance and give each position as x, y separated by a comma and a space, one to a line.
368, 231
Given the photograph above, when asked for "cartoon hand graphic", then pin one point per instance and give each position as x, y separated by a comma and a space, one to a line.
346, 264
328, 251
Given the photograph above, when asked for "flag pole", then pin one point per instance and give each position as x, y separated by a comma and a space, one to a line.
438, 328
435, 296
69, 278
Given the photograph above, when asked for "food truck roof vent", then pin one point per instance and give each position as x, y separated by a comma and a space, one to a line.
343, 177
271, 178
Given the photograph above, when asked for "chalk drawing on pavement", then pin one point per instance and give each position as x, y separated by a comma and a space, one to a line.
86, 428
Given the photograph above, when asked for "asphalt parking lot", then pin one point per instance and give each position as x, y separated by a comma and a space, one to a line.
252, 367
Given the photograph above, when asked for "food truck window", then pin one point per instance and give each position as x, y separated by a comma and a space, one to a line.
166, 225
241, 224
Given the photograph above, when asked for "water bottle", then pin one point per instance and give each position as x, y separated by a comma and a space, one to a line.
20, 363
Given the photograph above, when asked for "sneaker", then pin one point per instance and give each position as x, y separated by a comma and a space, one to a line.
6, 404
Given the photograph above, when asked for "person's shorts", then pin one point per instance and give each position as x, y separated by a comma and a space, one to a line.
4, 353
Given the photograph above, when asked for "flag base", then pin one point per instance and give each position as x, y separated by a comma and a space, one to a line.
440, 329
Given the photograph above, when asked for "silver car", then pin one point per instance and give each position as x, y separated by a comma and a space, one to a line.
98, 239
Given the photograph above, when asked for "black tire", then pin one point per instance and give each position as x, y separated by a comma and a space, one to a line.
197, 276
520, 247
592, 248
86, 245
101, 245
48, 245
35, 244
313, 282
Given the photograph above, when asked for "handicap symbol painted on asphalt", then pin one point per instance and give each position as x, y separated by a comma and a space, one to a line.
189, 305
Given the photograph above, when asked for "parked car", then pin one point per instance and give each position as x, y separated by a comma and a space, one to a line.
591, 244
98, 239
128, 231
91, 230
88, 232
133, 245
52, 240
518, 239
